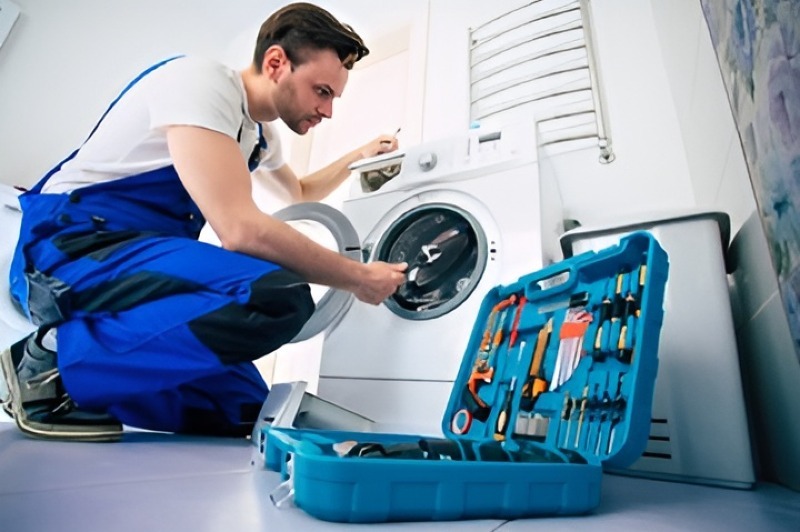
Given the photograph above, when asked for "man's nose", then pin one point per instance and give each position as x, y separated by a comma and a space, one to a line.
326, 109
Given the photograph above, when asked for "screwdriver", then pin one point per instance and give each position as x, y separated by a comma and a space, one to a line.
505, 411
573, 408
632, 311
584, 400
617, 412
605, 315
566, 411
605, 410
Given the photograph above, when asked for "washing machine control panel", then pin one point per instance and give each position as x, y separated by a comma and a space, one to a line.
475, 153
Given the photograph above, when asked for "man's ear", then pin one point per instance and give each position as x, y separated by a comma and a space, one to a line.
274, 62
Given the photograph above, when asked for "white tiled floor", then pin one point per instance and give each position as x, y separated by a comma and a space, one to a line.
174, 483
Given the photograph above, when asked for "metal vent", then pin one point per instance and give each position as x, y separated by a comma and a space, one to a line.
659, 446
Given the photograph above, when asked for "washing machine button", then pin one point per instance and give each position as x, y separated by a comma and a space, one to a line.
427, 161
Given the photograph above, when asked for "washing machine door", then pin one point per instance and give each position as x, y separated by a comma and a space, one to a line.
445, 248
335, 303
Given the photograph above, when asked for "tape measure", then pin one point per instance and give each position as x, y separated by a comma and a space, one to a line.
462, 420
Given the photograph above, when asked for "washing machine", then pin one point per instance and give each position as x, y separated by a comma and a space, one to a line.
466, 213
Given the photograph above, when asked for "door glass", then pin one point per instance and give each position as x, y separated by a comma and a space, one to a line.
445, 252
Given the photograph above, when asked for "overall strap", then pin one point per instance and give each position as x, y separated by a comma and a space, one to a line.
255, 157
38, 187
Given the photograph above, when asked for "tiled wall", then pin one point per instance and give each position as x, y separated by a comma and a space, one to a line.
770, 370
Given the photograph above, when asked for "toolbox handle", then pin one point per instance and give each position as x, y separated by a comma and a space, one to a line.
309, 444
549, 282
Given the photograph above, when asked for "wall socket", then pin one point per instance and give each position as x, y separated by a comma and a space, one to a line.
9, 12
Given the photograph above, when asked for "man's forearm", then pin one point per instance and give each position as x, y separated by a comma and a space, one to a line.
270, 239
318, 185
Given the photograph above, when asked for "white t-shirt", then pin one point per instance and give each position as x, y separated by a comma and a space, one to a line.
131, 139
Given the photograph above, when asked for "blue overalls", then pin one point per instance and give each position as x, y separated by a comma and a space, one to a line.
154, 327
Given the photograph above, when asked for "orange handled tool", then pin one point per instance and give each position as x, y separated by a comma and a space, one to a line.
481, 374
487, 333
536, 384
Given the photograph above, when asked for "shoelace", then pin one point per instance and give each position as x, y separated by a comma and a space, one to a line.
66, 405
45, 378
42, 379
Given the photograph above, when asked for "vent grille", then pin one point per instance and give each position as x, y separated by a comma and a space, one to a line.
659, 445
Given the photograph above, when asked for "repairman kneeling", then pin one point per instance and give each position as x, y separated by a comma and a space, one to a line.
139, 322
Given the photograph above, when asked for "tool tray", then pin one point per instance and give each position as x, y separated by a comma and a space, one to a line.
556, 382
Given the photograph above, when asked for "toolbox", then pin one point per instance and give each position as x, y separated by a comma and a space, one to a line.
556, 382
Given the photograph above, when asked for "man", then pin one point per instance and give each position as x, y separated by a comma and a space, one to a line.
141, 324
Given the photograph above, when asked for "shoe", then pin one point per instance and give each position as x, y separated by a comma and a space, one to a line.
38, 402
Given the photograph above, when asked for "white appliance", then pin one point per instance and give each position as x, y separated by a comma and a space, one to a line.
467, 213
13, 324
699, 428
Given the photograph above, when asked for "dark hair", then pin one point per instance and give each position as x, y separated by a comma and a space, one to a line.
301, 26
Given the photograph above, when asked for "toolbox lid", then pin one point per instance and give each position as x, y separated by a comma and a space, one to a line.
601, 407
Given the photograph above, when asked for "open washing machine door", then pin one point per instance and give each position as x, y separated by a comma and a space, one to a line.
446, 251
334, 303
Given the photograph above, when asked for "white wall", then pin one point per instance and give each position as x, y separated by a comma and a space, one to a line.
65, 61
716, 162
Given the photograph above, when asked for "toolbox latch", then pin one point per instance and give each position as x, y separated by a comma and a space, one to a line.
283, 494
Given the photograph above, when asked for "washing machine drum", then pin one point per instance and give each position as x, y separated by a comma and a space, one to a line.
445, 251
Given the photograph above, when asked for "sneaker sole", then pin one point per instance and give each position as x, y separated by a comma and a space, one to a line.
48, 431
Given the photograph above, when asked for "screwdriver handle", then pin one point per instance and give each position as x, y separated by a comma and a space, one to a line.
505, 413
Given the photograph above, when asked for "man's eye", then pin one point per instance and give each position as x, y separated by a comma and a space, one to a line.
324, 93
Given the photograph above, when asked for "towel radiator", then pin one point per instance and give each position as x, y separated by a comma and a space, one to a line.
539, 60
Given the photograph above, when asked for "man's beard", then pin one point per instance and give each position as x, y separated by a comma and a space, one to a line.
284, 100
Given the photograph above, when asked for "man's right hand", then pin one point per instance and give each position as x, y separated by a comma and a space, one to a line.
379, 280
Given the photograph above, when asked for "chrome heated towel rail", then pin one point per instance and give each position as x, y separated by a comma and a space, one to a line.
539, 60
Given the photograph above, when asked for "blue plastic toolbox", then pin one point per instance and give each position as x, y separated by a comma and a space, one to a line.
557, 380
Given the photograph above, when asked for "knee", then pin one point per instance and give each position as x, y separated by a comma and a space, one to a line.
282, 309
280, 303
